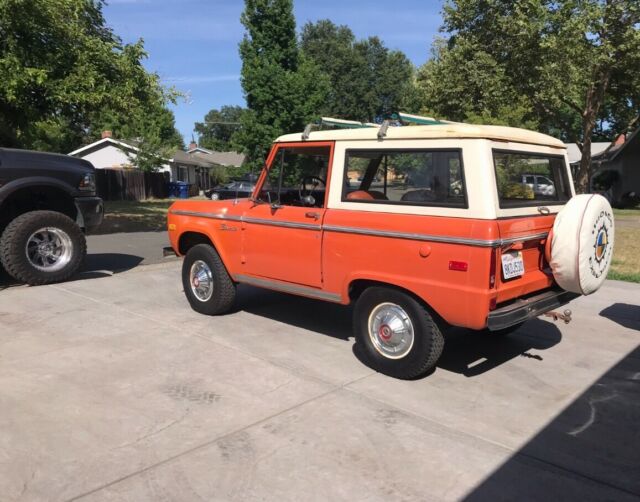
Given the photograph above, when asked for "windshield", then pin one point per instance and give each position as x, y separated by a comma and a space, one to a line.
530, 179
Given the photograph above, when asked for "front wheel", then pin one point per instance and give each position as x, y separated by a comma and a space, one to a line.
206, 282
42, 247
395, 334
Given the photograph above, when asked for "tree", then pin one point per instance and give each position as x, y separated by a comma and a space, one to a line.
219, 126
566, 63
65, 76
368, 81
283, 89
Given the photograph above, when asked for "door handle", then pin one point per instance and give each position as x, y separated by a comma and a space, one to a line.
311, 214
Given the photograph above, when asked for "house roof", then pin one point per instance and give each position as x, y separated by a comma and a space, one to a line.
183, 157
574, 153
127, 145
222, 158
437, 131
617, 150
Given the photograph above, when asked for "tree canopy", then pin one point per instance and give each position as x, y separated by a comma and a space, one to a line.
567, 67
368, 81
219, 126
65, 76
283, 88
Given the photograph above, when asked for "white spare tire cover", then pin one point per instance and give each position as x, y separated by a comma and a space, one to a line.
582, 244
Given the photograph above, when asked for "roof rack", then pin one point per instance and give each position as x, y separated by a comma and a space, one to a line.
338, 123
418, 119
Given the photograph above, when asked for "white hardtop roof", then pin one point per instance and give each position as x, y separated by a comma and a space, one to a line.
436, 131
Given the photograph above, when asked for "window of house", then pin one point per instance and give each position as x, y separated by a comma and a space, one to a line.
183, 174
529, 179
409, 177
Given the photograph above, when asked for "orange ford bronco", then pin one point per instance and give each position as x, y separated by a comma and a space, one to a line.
420, 227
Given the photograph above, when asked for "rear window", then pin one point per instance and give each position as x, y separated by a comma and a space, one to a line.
413, 178
530, 179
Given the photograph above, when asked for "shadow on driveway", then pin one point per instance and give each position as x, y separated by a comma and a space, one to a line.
624, 314
465, 352
590, 451
472, 353
96, 265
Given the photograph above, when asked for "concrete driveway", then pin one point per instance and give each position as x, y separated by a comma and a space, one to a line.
111, 388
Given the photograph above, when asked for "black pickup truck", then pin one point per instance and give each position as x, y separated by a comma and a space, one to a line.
47, 204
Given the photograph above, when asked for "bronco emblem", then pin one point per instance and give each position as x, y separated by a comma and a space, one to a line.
601, 247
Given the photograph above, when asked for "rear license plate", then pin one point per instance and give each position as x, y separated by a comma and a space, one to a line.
512, 265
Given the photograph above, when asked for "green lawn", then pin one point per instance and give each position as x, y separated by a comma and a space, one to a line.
132, 216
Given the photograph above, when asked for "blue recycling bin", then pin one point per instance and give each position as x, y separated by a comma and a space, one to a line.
172, 189
182, 190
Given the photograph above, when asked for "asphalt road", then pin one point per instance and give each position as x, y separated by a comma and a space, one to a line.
112, 388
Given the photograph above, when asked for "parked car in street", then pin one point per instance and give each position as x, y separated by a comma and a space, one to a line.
48, 203
454, 247
239, 189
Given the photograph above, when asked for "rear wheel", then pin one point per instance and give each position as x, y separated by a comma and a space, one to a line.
395, 334
206, 282
41, 247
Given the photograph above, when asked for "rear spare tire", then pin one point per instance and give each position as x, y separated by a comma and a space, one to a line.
582, 244
41, 247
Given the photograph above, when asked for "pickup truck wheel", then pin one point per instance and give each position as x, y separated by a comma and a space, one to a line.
206, 281
395, 334
41, 247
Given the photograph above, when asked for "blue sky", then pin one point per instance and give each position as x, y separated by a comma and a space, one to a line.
193, 44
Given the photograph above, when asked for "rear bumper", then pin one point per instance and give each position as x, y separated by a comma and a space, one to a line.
524, 309
90, 212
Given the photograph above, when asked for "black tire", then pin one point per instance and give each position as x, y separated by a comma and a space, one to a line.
428, 341
223, 292
13, 244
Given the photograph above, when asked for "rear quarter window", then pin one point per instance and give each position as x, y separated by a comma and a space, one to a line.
405, 177
530, 179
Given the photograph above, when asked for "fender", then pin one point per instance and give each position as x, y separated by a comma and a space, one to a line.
200, 226
34, 181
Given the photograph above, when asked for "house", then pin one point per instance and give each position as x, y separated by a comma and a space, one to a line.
111, 153
616, 166
194, 166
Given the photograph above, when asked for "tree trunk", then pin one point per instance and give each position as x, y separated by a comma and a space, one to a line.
594, 101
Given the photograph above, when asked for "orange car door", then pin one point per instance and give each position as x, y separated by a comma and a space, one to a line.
282, 231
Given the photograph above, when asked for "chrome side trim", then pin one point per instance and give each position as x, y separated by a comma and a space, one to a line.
287, 288
531, 237
285, 224
369, 231
413, 237
213, 216
257, 221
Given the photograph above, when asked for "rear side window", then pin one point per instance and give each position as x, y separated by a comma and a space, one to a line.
530, 179
405, 177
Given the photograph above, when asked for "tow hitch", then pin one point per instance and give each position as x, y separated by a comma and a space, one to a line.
565, 316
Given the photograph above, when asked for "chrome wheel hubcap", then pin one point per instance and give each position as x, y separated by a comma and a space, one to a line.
49, 249
201, 280
391, 330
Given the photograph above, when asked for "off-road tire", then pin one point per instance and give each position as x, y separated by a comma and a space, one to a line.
428, 341
14, 241
224, 289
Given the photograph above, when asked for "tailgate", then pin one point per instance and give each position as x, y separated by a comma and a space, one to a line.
524, 242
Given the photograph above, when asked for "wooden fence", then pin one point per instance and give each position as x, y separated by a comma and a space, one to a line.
131, 184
